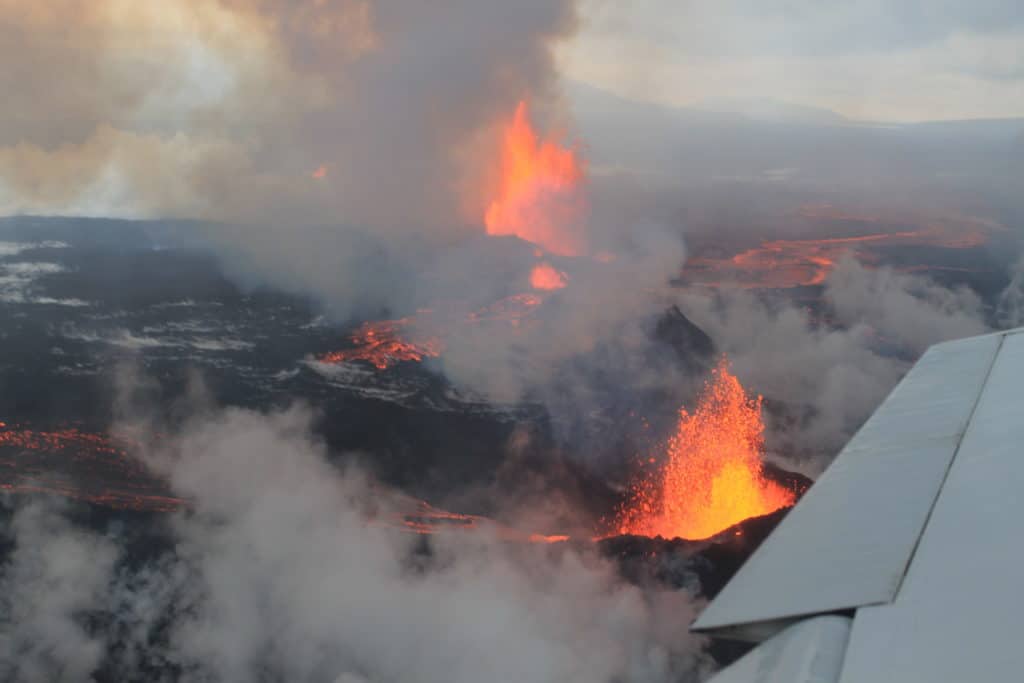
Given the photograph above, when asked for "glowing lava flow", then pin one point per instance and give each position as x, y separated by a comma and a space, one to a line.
382, 344
539, 199
713, 477
420, 517
786, 263
385, 343
544, 276
80, 465
539, 196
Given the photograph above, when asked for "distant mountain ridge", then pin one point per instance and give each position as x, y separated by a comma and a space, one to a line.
587, 98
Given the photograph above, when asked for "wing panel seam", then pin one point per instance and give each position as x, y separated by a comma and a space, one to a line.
949, 468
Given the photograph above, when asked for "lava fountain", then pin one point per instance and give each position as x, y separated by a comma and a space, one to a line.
539, 197
713, 476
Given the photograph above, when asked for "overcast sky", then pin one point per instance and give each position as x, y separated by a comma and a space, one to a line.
892, 60
229, 109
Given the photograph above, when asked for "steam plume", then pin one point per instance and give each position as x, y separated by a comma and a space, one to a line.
832, 377
277, 573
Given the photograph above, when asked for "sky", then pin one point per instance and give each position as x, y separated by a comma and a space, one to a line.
880, 60
246, 110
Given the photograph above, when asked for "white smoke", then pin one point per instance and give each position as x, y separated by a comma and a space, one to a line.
1010, 306
278, 573
830, 377
54, 574
910, 311
346, 150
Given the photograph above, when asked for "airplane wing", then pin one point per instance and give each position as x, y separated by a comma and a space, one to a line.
904, 562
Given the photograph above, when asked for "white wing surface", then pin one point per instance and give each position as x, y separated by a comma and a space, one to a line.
913, 534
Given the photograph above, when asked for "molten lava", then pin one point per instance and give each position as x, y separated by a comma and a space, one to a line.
539, 197
81, 465
382, 344
786, 263
385, 343
713, 476
420, 517
544, 276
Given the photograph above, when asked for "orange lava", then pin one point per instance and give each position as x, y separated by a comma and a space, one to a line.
28, 439
79, 465
781, 264
539, 199
539, 196
420, 517
384, 344
713, 476
544, 276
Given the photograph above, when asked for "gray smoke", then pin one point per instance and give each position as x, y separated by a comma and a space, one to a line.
909, 311
830, 377
225, 109
346, 150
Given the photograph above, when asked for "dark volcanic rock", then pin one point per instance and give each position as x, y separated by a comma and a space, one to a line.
703, 567
87, 296
727, 551
691, 344
794, 481
700, 567
147, 544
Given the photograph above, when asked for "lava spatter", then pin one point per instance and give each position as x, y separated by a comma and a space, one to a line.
712, 476
539, 195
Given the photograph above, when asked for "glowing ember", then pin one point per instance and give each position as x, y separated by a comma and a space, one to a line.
545, 276
713, 476
320, 173
539, 197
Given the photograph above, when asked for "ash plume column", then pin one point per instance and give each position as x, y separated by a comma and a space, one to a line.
350, 148
311, 112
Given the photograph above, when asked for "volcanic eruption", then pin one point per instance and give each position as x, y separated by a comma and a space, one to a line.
539, 194
544, 276
539, 200
712, 477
